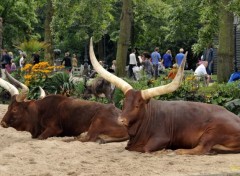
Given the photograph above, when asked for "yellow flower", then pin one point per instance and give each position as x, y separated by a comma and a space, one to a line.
27, 67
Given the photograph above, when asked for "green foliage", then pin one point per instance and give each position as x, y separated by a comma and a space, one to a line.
79, 88
209, 16
75, 21
233, 106
118, 98
31, 47
59, 83
221, 93
19, 17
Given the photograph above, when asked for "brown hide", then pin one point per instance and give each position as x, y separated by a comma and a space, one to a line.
191, 127
57, 115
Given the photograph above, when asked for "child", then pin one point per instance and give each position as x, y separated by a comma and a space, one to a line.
173, 72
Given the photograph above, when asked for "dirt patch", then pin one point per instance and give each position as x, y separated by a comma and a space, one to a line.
20, 155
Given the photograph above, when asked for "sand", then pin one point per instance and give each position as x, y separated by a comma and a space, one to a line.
21, 155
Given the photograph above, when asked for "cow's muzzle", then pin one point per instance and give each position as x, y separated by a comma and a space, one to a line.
4, 124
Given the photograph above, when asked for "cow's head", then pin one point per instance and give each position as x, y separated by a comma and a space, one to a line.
19, 110
135, 101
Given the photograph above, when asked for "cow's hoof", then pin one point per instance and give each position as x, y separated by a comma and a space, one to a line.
41, 138
82, 137
100, 141
180, 152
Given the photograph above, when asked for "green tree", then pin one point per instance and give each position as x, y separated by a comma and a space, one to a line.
18, 18
75, 21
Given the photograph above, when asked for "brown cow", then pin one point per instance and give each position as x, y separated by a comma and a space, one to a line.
187, 127
57, 115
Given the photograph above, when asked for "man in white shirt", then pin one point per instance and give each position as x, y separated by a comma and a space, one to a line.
202, 72
132, 63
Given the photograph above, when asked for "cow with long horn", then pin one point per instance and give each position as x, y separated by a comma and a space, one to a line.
57, 115
186, 127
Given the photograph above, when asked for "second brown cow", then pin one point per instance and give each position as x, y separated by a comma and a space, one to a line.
57, 115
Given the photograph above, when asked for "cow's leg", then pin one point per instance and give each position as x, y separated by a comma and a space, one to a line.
198, 150
230, 144
156, 143
49, 132
204, 146
102, 132
214, 141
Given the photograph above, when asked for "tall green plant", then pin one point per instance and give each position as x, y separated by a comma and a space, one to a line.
31, 47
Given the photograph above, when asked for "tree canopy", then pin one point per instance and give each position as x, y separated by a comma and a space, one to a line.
168, 24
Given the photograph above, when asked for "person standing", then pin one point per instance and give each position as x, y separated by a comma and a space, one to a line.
167, 59
22, 59
74, 60
67, 62
179, 57
6, 62
132, 63
208, 56
155, 56
36, 58
147, 64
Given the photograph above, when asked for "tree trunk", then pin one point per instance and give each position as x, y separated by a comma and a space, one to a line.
1, 33
226, 44
47, 32
124, 37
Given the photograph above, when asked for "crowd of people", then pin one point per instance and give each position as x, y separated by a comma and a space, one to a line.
10, 63
153, 63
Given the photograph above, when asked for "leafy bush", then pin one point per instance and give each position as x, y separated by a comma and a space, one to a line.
218, 94
59, 83
233, 106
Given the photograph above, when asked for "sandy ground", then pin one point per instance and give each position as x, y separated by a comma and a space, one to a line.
20, 155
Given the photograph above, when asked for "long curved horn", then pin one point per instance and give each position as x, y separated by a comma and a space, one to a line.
24, 92
164, 89
118, 82
42, 93
9, 87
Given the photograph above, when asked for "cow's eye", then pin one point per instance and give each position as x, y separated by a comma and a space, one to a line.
14, 110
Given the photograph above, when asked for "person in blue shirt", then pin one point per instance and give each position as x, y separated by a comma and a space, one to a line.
179, 57
155, 56
234, 77
167, 59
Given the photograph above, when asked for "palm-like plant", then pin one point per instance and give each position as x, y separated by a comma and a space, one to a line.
31, 47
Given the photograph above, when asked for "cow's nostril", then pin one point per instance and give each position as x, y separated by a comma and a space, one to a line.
3, 124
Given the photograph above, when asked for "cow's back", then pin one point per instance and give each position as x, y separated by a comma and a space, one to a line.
185, 122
